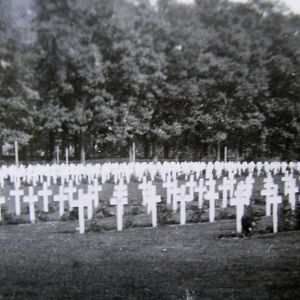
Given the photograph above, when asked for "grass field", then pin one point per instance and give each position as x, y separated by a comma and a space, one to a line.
51, 261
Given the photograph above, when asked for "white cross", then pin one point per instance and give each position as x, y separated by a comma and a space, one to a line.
17, 193
151, 200
272, 198
120, 198
143, 186
241, 198
169, 185
211, 196
61, 197
200, 189
286, 179
269, 191
191, 184
81, 203
225, 187
89, 198
148, 191
249, 181
231, 183
45, 193
2, 201
94, 190
183, 198
292, 190
275, 200
31, 199
70, 190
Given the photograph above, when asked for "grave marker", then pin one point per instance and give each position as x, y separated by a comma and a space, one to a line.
17, 193
241, 198
45, 193
120, 198
211, 195
80, 203
61, 197
31, 199
191, 184
169, 185
200, 189
94, 190
183, 198
151, 200
70, 190
225, 187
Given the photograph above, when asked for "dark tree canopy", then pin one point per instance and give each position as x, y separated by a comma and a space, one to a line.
178, 80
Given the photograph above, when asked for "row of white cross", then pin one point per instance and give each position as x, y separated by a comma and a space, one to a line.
34, 174
204, 187
65, 194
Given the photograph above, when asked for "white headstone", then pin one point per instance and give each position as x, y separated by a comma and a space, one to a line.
81, 203
200, 189
31, 199
183, 198
120, 198
17, 193
191, 184
225, 187
45, 193
270, 190
292, 190
241, 198
151, 200
70, 190
61, 197
169, 185
211, 195
94, 190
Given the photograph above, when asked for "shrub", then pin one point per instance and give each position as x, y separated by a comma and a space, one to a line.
11, 218
42, 216
164, 214
70, 215
289, 219
95, 227
249, 220
196, 214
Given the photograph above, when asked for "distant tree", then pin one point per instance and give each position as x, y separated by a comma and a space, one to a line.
16, 95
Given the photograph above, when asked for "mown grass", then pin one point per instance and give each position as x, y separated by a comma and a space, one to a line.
52, 261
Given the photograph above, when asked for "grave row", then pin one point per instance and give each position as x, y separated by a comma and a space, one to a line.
52, 174
234, 193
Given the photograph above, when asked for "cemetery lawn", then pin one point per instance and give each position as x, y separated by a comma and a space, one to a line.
52, 261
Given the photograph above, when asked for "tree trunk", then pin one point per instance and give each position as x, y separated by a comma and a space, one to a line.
51, 151
130, 153
146, 149
1, 150
219, 151
166, 151
82, 154
77, 148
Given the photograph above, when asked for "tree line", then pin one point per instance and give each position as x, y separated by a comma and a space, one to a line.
180, 81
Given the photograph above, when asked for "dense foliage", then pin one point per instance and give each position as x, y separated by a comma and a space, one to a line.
178, 80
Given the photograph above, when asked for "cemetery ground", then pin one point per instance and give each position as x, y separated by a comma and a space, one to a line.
199, 260
51, 261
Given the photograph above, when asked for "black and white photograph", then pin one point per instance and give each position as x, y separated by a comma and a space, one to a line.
149, 149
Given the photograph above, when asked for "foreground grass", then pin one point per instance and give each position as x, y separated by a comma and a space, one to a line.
52, 261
